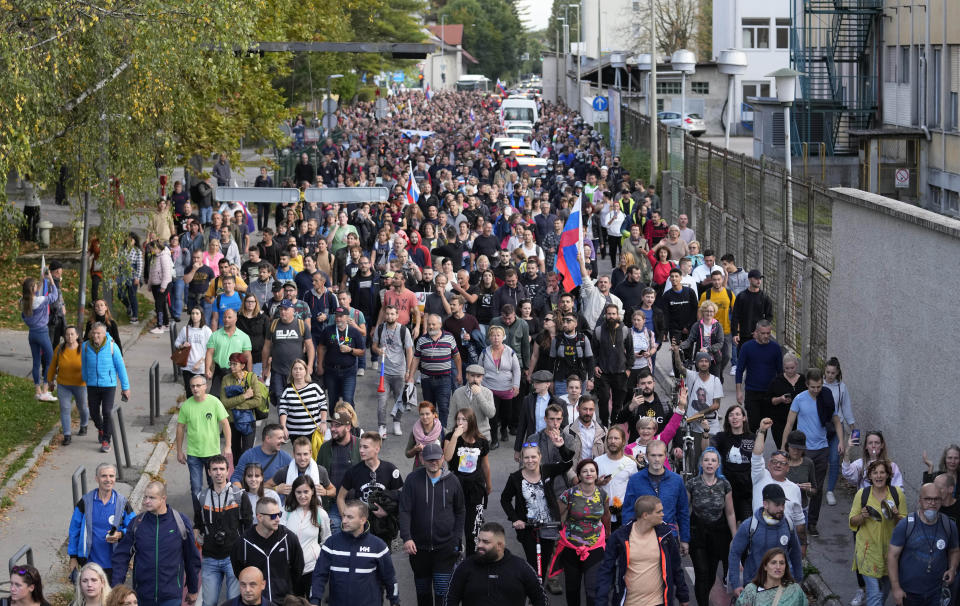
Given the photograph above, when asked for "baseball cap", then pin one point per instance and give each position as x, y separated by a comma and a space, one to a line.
342, 418
277, 286
702, 355
774, 494
797, 439
340, 311
432, 452
388, 274
285, 303
756, 274
55, 265
290, 285
476, 369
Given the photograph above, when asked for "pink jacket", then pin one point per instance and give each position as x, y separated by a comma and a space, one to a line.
666, 435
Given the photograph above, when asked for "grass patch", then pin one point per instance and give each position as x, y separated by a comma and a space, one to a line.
11, 279
809, 569
635, 160
34, 420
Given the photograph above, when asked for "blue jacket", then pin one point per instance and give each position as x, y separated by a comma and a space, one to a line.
84, 529
673, 495
616, 558
764, 538
164, 559
356, 569
103, 368
40, 316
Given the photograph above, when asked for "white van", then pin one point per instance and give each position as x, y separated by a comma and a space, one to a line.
515, 110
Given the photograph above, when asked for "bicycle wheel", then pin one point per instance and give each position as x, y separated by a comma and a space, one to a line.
690, 461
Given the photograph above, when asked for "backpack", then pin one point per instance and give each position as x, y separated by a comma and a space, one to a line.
710, 290
181, 527
404, 330
300, 325
911, 524
754, 524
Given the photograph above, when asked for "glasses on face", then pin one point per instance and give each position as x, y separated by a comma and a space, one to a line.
778, 462
930, 499
196, 385
272, 516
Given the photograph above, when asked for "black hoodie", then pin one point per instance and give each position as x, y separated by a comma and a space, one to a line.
278, 556
432, 515
509, 581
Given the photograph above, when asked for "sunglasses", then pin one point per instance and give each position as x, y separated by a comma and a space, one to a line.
272, 516
530, 445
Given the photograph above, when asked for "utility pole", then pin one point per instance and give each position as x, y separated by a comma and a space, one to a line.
652, 95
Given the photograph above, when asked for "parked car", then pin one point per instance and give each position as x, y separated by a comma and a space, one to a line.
692, 123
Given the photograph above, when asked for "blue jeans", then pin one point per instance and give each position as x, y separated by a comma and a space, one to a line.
833, 462
42, 352
176, 298
437, 390
77, 393
207, 312
340, 384
877, 590
213, 573
198, 469
128, 292
335, 519
206, 215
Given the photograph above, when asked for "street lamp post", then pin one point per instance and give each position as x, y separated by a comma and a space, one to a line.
786, 79
564, 72
685, 62
579, 47
645, 64
733, 63
653, 96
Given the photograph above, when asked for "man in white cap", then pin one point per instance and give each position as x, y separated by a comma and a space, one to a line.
475, 396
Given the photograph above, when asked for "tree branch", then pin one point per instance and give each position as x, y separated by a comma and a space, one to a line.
71, 105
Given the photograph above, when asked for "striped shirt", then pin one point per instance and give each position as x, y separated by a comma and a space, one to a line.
299, 423
436, 357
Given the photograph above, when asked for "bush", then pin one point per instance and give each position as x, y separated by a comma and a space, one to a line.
366, 94
637, 161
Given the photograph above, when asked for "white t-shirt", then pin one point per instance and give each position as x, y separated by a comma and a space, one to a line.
700, 396
533, 251
620, 472
761, 477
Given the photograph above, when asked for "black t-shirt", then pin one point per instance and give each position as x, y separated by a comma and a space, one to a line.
680, 308
270, 254
482, 309
780, 386
951, 511
359, 481
655, 408
735, 451
486, 245
467, 465
201, 280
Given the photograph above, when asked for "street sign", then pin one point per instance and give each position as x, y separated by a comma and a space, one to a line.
902, 178
398, 77
600, 104
329, 121
330, 105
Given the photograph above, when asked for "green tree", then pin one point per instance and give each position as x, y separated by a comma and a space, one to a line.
555, 26
492, 32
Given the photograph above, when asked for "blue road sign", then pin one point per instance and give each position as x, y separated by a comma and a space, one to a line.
600, 104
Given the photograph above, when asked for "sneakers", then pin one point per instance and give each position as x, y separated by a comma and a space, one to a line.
100, 435
134, 320
157, 330
733, 371
831, 499
397, 430
82, 431
47, 397
383, 431
104, 446
671, 374
812, 530
66, 440
360, 372
858, 598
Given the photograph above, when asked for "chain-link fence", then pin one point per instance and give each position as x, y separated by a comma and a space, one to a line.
749, 208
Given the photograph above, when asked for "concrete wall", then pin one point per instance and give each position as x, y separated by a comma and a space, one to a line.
892, 321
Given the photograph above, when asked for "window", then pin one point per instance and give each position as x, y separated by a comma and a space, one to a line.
952, 202
936, 198
783, 33
890, 65
756, 33
954, 107
937, 94
755, 89
668, 88
659, 104
904, 65
700, 88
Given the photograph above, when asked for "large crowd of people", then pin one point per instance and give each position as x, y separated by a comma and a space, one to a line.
449, 295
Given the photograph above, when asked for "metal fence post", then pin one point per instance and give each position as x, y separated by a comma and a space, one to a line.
121, 428
25, 550
806, 294
79, 483
150, 380
763, 179
173, 339
156, 389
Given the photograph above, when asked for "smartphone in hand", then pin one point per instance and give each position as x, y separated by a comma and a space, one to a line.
855, 436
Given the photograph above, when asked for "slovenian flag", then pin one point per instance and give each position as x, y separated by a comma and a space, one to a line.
251, 225
567, 264
503, 91
413, 192
427, 92
476, 140
473, 118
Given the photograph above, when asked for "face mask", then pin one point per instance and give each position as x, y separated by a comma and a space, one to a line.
930, 514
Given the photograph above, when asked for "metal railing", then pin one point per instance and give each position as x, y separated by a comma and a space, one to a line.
154, 388
79, 483
25, 550
739, 205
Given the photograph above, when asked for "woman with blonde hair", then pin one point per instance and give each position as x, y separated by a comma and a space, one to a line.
92, 588
706, 335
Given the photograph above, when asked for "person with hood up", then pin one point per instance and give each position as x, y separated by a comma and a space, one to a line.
432, 514
345, 563
418, 252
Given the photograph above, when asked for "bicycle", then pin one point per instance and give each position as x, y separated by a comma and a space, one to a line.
687, 465
549, 531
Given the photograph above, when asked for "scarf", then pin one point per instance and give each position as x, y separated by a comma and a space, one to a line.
425, 438
312, 471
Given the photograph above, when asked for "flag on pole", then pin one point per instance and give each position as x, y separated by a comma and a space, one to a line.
477, 139
413, 192
427, 92
571, 240
251, 224
500, 87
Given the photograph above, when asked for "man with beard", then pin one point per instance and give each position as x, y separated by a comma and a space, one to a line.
645, 403
535, 282
614, 471
630, 290
614, 357
493, 575
595, 299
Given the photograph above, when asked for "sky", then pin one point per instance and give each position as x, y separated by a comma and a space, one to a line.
537, 13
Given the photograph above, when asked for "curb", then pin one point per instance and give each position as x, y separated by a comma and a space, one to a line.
38, 451
821, 593
157, 458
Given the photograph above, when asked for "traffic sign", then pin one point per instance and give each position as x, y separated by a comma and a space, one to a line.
329, 121
330, 105
600, 104
902, 178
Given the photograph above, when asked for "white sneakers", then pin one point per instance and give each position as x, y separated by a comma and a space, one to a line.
397, 430
46, 397
733, 371
859, 598
831, 499
159, 330
360, 372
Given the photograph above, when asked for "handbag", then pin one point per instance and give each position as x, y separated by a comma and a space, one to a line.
180, 355
316, 438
